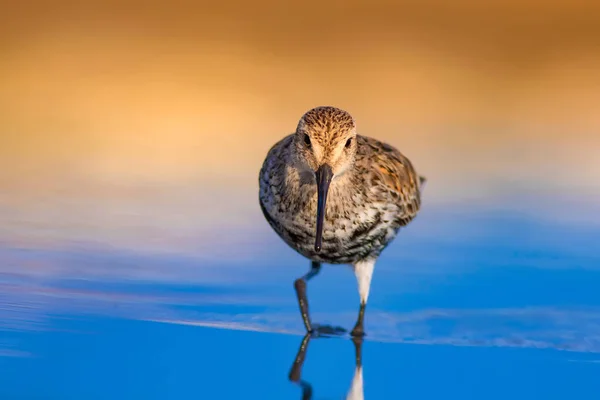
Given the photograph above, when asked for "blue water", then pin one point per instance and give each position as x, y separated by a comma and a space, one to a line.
488, 304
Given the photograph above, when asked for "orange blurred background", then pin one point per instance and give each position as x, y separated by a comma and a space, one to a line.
120, 116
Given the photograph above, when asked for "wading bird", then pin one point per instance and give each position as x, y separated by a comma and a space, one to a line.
337, 197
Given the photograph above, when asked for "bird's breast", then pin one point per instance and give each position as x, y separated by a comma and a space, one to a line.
351, 229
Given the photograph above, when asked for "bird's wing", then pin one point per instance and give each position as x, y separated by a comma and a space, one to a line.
392, 177
271, 173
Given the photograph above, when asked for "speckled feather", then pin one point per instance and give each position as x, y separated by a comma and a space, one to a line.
375, 197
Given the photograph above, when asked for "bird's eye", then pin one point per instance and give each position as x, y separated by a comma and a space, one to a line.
307, 140
348, 142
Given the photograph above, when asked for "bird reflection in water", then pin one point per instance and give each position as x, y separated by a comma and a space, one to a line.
356, 388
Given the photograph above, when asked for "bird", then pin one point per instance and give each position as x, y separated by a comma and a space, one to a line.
337, 197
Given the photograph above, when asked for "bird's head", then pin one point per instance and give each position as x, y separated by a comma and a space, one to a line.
325, 146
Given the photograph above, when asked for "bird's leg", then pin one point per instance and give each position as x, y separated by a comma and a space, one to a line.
359, 327
296, 370
356, 389
358, 341
300, 286
363, 271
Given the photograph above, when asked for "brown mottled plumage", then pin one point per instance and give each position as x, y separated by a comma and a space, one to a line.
368, 191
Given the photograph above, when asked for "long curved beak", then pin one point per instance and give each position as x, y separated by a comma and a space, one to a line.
324, 175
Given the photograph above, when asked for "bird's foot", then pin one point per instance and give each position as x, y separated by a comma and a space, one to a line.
326, 330
358, 332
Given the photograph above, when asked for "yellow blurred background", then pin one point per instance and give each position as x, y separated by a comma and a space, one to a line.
165, 110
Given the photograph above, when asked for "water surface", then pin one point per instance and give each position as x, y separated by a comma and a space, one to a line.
489, 302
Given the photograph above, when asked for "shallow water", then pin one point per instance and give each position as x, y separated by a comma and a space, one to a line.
466, 303
134, 259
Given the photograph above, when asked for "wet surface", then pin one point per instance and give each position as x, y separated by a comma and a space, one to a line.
491, 304
135, 262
